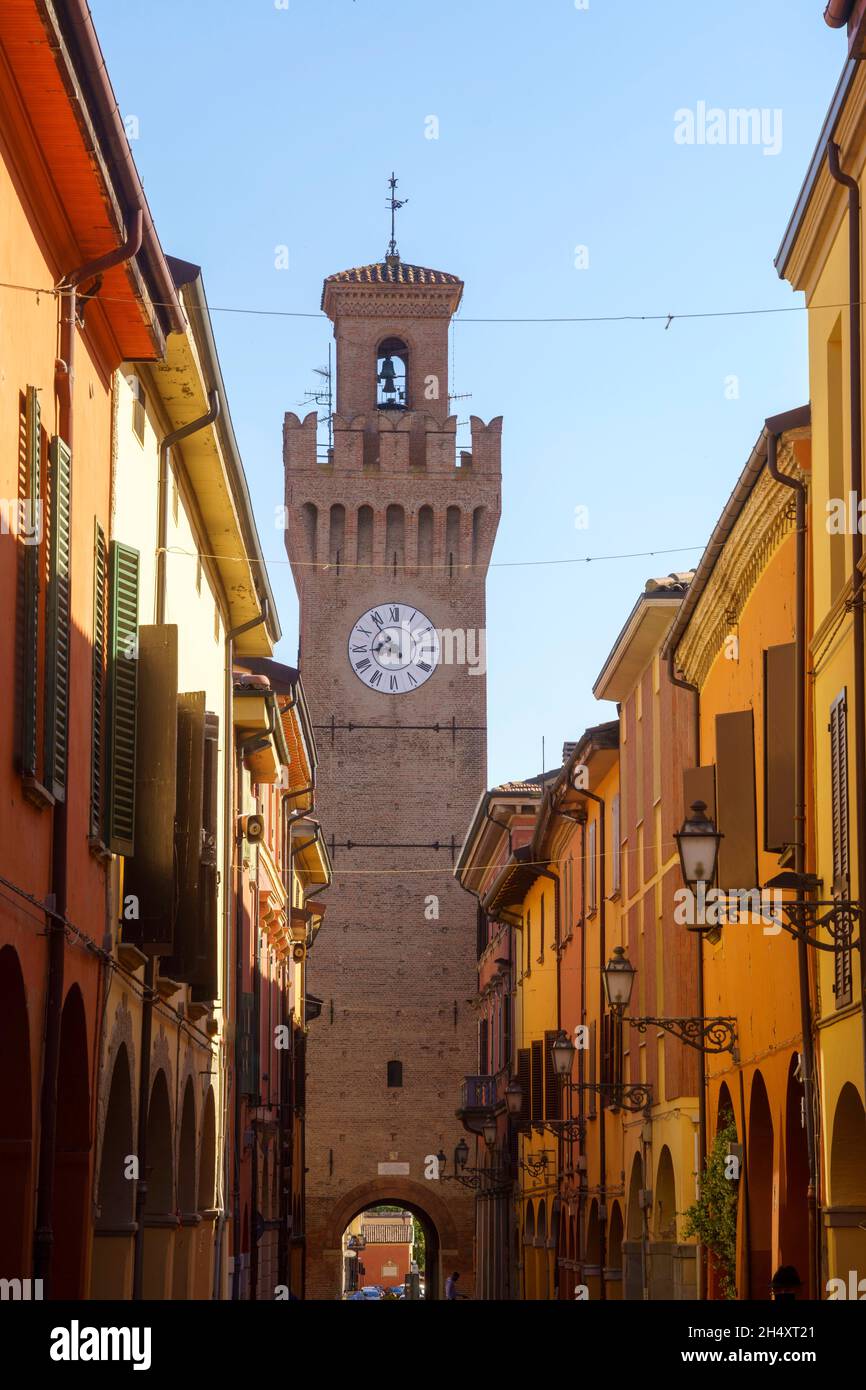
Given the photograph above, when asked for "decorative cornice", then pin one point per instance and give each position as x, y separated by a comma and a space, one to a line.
766, 519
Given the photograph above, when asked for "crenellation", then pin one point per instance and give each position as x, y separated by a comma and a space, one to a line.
486, 444
299, 440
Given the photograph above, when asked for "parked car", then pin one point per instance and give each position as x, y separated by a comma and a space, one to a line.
371, 1291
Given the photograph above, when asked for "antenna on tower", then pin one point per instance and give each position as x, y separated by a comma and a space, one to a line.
323, 394
394, 203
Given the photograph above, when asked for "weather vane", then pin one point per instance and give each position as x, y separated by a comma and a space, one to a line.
395, 204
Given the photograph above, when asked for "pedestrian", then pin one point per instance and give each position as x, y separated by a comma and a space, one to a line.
451, 1290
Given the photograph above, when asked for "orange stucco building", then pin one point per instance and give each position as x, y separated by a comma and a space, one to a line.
82, 271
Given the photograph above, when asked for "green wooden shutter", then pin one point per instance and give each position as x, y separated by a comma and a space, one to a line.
97, 721
57, 622
33, 432
122, 696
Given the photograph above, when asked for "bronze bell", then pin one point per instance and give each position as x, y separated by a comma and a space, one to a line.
387, 375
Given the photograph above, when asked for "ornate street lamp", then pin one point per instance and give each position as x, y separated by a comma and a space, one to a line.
488, 1129
836, 916
698, 844
623, 1097
514, 1098
703, 1034
562, 1050
461, 1155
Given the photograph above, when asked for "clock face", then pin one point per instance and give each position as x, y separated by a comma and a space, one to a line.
393, 648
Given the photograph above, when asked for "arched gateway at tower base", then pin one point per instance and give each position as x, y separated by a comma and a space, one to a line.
443, 1243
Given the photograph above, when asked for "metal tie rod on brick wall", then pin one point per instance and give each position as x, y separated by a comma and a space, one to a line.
453, 728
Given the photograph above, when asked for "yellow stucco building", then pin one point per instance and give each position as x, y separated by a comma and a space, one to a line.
822, 255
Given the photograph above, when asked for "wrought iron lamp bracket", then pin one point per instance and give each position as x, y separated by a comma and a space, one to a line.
709, 1035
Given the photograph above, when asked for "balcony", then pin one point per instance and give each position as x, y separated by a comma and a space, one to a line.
477, 1099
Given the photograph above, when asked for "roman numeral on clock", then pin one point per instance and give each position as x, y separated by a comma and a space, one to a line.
376, 678
362, 665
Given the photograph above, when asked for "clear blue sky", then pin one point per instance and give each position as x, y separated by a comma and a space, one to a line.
261, 126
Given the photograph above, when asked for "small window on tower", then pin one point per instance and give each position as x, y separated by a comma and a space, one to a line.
392, 370
395, 1074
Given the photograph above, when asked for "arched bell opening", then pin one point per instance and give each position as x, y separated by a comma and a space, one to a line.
392, 374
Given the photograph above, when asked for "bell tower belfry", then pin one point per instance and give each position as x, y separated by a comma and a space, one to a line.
389, 533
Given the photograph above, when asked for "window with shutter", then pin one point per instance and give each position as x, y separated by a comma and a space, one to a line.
735, 800
592, 867
505, 1059
97, 714
524, 1076
780, 675
616, 868
483, 1054
30, 691
528, 935
246, 1078
122, 697
591, 1102
189, 820
552, 1084
150, 873
206, 981
611, 1051
537, 1061
481, 934
57, 622
838, 728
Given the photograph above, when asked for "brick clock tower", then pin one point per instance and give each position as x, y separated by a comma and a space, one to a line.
389, 533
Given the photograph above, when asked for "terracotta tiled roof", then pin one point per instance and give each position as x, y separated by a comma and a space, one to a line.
393, 272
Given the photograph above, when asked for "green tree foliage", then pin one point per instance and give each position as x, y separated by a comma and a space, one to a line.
712, 1219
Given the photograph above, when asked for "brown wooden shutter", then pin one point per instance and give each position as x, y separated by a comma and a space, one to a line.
591, 1076
483, 1056
122, 697
735, 797
149, 874
838, 729
537, 1108
97, 711
206, 982
699, 784
780, 676
524, 1076
57, 622
30, 616
552, 1083
839, 794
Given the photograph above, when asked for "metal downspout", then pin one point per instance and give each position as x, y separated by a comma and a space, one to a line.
166, 444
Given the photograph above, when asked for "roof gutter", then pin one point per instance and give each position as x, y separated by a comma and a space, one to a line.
74, 17
838, 12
